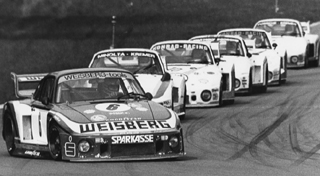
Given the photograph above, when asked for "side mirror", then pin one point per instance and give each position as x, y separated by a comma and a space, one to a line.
249, 55
217, 60
166, 77
149, 96
45, 100
274, 45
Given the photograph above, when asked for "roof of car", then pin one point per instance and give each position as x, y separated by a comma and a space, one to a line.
80, 70
243, 29
278, 19
215, 35
126, 50
179, 41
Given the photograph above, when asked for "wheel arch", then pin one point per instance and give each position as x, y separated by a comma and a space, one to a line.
8, 108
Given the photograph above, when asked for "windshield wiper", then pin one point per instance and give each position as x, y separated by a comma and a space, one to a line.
135, 96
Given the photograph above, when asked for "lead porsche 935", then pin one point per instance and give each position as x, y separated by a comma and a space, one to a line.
167, 89
250, 72
89, 115
207, 84
258, 42
298, 49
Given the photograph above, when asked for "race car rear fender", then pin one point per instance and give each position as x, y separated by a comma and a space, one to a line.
259, 73
8, 108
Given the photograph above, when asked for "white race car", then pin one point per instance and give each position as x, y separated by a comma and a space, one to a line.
251, 70
292, 43
151, 72
207, 85
259, 43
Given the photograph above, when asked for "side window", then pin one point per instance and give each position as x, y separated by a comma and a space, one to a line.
45, 89
37, 92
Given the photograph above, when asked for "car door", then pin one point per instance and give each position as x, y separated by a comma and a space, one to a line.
39, 110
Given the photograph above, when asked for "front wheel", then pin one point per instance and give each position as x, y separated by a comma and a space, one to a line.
54, 142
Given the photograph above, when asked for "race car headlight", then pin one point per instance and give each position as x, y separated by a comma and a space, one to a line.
84, 146
203, 81
205, 95
237, 83
294, 59
173, 141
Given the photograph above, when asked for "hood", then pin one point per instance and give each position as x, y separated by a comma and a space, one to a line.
257, 51
241, 64
114, 111
188, 69
236, 60
293, 45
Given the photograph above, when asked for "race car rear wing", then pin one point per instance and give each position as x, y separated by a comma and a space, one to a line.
25, 84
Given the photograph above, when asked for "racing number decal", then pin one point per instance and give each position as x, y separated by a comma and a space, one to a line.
112, 107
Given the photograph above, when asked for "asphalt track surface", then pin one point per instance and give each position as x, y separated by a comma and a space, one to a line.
274, 133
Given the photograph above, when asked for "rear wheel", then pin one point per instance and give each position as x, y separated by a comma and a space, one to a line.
250, 87
9, 133
221, 94
265, 87
306, 59
54, 142
184, 104
279, 81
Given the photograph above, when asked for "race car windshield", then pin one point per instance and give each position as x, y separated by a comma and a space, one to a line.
96, 86
137, 63
254, 39
184, 53
229, 47
280, 28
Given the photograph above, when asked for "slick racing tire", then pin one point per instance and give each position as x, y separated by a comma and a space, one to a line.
250, 87
279, 80
9, 133
181, 117
221, 94
54, 142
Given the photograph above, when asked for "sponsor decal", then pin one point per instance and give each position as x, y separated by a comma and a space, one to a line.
70, 148
34, 78
173, 46
132, 139
141, 109
89, 111
99, 118
119, 113
256, 33
32, 153
89, 75
124, 119
112, 107
126, 54
124, 126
